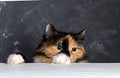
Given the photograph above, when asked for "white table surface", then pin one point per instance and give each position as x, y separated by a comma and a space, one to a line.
43, 70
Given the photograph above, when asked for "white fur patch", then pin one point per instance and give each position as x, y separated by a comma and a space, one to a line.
15, 59
61, 59
36, 61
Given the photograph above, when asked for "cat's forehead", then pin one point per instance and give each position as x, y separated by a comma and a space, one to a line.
69, 37
56, 39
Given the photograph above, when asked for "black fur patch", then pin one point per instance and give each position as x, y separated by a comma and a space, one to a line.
65, 46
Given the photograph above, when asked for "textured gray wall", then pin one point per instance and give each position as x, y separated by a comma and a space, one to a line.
22, 25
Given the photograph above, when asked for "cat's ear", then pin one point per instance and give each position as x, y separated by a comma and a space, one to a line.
50, 31
81, 35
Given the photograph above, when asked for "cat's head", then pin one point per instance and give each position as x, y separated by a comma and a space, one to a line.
56, 42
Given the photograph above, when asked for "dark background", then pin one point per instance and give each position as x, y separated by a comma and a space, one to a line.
22, 25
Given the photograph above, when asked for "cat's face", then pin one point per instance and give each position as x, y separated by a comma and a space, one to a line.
56, 43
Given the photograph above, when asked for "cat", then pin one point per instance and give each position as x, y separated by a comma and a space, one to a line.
56, 47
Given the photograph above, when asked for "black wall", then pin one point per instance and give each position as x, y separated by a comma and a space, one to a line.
22, 25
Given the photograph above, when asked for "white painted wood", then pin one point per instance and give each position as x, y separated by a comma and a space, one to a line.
43, 70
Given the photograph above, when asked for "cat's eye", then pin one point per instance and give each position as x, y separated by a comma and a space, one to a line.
74, 49
59, 47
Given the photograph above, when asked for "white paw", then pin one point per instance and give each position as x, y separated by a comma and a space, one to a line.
61, 59
15, 59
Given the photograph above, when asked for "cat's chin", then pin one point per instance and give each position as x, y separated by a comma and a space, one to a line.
61, 59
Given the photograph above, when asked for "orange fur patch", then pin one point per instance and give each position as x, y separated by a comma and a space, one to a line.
80, 51
49, 50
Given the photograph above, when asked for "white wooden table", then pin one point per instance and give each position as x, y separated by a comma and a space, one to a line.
42, 70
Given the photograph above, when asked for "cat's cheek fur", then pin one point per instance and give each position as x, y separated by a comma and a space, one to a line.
61, 59
15, 59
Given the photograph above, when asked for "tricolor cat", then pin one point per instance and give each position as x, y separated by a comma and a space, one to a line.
56, 47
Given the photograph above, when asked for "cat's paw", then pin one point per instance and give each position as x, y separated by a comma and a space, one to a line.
61, 59
15, 59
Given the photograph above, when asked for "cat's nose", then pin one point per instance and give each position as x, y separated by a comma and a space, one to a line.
65, 46
66, 52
